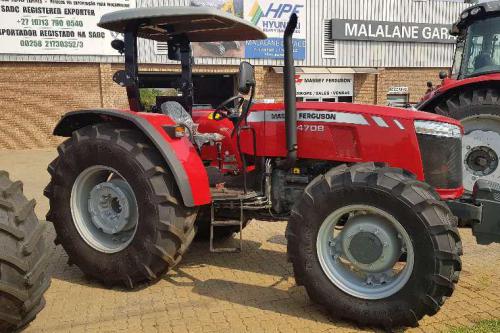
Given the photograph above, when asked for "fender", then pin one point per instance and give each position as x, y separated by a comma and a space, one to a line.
180, 155
451, 86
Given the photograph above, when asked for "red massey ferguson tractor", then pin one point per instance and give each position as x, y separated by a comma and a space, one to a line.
367, 190
472, 94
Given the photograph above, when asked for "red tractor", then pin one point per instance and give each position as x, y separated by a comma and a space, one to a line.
367, 189
472, 93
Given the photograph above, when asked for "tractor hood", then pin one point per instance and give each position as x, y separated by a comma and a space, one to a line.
363, 109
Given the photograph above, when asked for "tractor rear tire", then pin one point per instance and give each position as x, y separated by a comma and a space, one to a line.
23, 259
164, 226
428, 225
479, 111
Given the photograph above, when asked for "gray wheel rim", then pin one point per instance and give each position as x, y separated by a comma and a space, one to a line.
482, 138
353, 270
104, 209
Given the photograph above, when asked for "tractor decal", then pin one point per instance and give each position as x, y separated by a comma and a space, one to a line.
309, 116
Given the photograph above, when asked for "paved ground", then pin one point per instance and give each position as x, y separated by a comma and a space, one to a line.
249, 292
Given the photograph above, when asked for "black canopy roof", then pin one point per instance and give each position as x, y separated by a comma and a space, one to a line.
196, 23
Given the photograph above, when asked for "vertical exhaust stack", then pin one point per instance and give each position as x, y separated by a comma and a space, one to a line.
290, 97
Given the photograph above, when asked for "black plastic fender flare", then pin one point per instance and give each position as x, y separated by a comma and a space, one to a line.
75, 120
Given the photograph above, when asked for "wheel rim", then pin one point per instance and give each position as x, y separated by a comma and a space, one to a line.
365, 252
104, 209
481, 149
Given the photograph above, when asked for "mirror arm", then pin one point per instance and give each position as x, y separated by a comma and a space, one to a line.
246, 110
187, 74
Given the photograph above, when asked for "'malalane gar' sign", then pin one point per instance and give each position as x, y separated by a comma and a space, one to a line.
381, 31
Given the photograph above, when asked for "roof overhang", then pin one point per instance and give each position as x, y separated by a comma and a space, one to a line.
330, 70
194, 23
475, 13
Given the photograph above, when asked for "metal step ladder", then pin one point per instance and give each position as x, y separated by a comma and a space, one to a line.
225, 223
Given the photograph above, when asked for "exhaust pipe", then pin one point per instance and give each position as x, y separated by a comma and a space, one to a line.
290, 97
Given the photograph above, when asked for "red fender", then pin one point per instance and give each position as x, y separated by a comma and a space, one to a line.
180, 155
450, 86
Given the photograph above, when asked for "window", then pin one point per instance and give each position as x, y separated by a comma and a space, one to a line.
482, 48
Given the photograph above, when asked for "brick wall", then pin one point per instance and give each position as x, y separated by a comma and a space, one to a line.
373, 89
269, 84
364, 88
34, 95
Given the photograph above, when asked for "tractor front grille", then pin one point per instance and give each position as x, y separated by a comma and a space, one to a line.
442, 160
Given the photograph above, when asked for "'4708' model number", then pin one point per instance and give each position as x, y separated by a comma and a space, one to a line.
311, 128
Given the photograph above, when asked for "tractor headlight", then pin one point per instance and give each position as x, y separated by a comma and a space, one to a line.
437, 129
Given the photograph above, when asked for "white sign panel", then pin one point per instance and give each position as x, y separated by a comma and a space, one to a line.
324, 85
398, 90
57, 26
272, 17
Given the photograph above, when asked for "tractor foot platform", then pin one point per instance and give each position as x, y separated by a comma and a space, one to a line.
224, 223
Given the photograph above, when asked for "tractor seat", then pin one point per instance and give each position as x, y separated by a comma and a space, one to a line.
177, 112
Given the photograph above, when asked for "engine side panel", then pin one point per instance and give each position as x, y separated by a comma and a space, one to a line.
342, 136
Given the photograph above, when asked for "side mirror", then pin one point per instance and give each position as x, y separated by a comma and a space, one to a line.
174, 51
443, 75
118, 45
246, 78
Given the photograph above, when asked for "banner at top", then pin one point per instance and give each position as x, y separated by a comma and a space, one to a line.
57, 26
272, 17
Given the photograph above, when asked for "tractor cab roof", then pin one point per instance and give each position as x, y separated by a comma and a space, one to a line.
475, 13
194, 23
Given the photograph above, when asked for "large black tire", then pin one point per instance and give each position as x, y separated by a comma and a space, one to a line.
24, 257
428, 222
479, 110
165, 226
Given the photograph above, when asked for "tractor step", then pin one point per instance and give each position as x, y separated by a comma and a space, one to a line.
226, 223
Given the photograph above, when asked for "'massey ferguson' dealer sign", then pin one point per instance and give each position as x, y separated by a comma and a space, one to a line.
324, 85
382, 31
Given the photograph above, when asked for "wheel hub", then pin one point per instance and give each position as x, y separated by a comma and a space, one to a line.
365, 247
370, 244
481, 157
104, 209
109, 207
365, 251
482, 160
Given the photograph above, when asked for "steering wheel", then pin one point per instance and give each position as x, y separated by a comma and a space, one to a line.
224, 110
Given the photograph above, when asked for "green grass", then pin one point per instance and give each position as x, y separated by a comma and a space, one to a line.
484, 326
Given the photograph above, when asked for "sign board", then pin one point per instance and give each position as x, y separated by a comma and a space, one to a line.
398, 91
230, 49
269, 15
57, 26
324, 85
272, 16
383, 31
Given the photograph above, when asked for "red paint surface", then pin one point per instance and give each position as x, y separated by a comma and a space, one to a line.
450, 84
187, 155
339, 142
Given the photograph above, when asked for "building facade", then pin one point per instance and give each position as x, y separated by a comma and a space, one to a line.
53, 58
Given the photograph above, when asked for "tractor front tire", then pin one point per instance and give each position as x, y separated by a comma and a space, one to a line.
479, 111
110, 170
23, 259
384, 210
